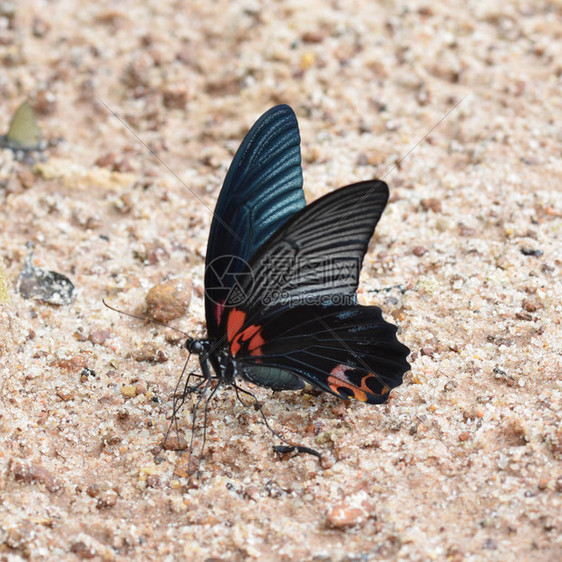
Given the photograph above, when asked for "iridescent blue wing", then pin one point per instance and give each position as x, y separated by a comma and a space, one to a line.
262, 190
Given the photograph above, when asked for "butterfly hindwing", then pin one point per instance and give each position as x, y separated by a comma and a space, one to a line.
349, 351
262, 190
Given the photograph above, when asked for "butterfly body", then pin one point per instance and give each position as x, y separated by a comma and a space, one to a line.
281, 278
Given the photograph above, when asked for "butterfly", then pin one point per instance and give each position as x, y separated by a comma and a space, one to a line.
281, 279
24, 133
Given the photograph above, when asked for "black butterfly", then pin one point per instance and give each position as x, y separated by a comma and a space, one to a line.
281, 278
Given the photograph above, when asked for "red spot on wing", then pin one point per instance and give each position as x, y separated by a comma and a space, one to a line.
236, 336
219, 309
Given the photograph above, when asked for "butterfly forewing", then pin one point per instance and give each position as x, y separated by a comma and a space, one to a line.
262, 190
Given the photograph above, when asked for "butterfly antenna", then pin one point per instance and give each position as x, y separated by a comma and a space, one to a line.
145, 318
288, 447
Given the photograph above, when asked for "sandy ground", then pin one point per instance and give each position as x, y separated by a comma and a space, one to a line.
457, 105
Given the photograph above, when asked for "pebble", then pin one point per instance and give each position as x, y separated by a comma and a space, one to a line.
150, 353
175, 443
107, 499
29, 472
65, 394
530, 305
99, 337
82, 550
169, 300
419, 251
129, 390
431, 204
186, 466
342, 517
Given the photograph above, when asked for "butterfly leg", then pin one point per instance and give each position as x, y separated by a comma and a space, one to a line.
289, 447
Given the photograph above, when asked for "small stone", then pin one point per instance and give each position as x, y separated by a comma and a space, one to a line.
313, 37
431, 204
74, 364
45, 103
490, 544
175, 98
107, 499
543, 484
342, 517
40, 27
129, 391
93, 490
175, 443
464, 436
186, 466
531, 252
530, 305
30, 472
26, 178
419, 251
467, 231
169, 300
524, 316
99, 337
150, 353
152, 481
65, 394
82, 550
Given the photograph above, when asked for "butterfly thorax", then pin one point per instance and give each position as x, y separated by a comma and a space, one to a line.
213, 355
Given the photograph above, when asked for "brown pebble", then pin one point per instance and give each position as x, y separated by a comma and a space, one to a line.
93, 490
72, 365
523, 316
149, 353
342, 517
40, 27
152, 481
99, 337
543, 484
467, 231
464, 436
65, 394
169, 300
107, 499
313, 37
175, 98
530, 305
186, 466
175, 443
419, 251
45, 103
431, 204
26, 178
29, 472
82, 550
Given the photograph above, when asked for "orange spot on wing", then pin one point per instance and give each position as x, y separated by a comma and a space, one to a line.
339, 379
234, 323
251, 334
